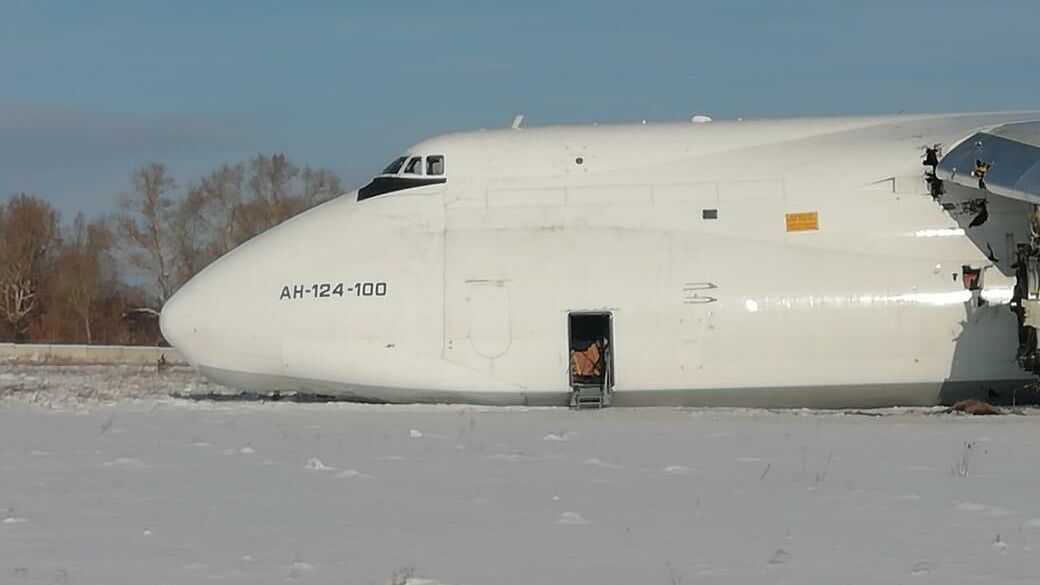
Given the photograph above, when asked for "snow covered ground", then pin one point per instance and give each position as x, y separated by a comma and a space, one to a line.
105, 479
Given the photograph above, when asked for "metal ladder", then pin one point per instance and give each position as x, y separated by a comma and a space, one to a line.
593, 395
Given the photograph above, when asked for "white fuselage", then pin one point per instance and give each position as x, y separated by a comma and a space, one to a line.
745, 263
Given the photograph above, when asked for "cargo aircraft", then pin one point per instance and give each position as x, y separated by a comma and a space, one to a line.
820, 262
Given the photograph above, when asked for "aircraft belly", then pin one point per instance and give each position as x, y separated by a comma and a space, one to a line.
836, 396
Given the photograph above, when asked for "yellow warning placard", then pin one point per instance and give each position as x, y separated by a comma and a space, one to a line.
803, 222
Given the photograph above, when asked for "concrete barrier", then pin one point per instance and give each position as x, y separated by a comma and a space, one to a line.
86, 354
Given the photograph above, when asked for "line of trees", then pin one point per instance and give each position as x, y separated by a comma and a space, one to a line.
105, 280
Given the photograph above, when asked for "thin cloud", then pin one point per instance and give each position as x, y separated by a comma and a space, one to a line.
42, 139
81, 160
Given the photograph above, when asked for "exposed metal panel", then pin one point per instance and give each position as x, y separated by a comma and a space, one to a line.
1004, 161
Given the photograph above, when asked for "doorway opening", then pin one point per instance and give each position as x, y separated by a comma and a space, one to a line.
591, 352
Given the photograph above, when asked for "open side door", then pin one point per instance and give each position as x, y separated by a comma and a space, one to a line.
590, 340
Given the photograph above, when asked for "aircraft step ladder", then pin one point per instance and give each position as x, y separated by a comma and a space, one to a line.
594, 395
588, 396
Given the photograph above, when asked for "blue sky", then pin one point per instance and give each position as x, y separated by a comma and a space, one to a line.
91, 90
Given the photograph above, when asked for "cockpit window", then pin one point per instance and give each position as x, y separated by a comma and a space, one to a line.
414, 166
435, 164
406, 173
392, 168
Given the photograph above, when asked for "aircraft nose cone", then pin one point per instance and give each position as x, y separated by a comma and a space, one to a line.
175, 320
230, 317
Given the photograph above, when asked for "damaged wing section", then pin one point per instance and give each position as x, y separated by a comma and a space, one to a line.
1004, 161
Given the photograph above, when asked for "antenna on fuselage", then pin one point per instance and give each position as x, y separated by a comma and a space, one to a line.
517, 121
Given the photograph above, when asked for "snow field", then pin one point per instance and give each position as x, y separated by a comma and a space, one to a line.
125, 485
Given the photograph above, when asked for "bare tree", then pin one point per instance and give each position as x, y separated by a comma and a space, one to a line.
171, 240
279, 190
28, 234
271, 183
70, 284
222, 192
145, 228
319, 185
190, 232
85, 271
